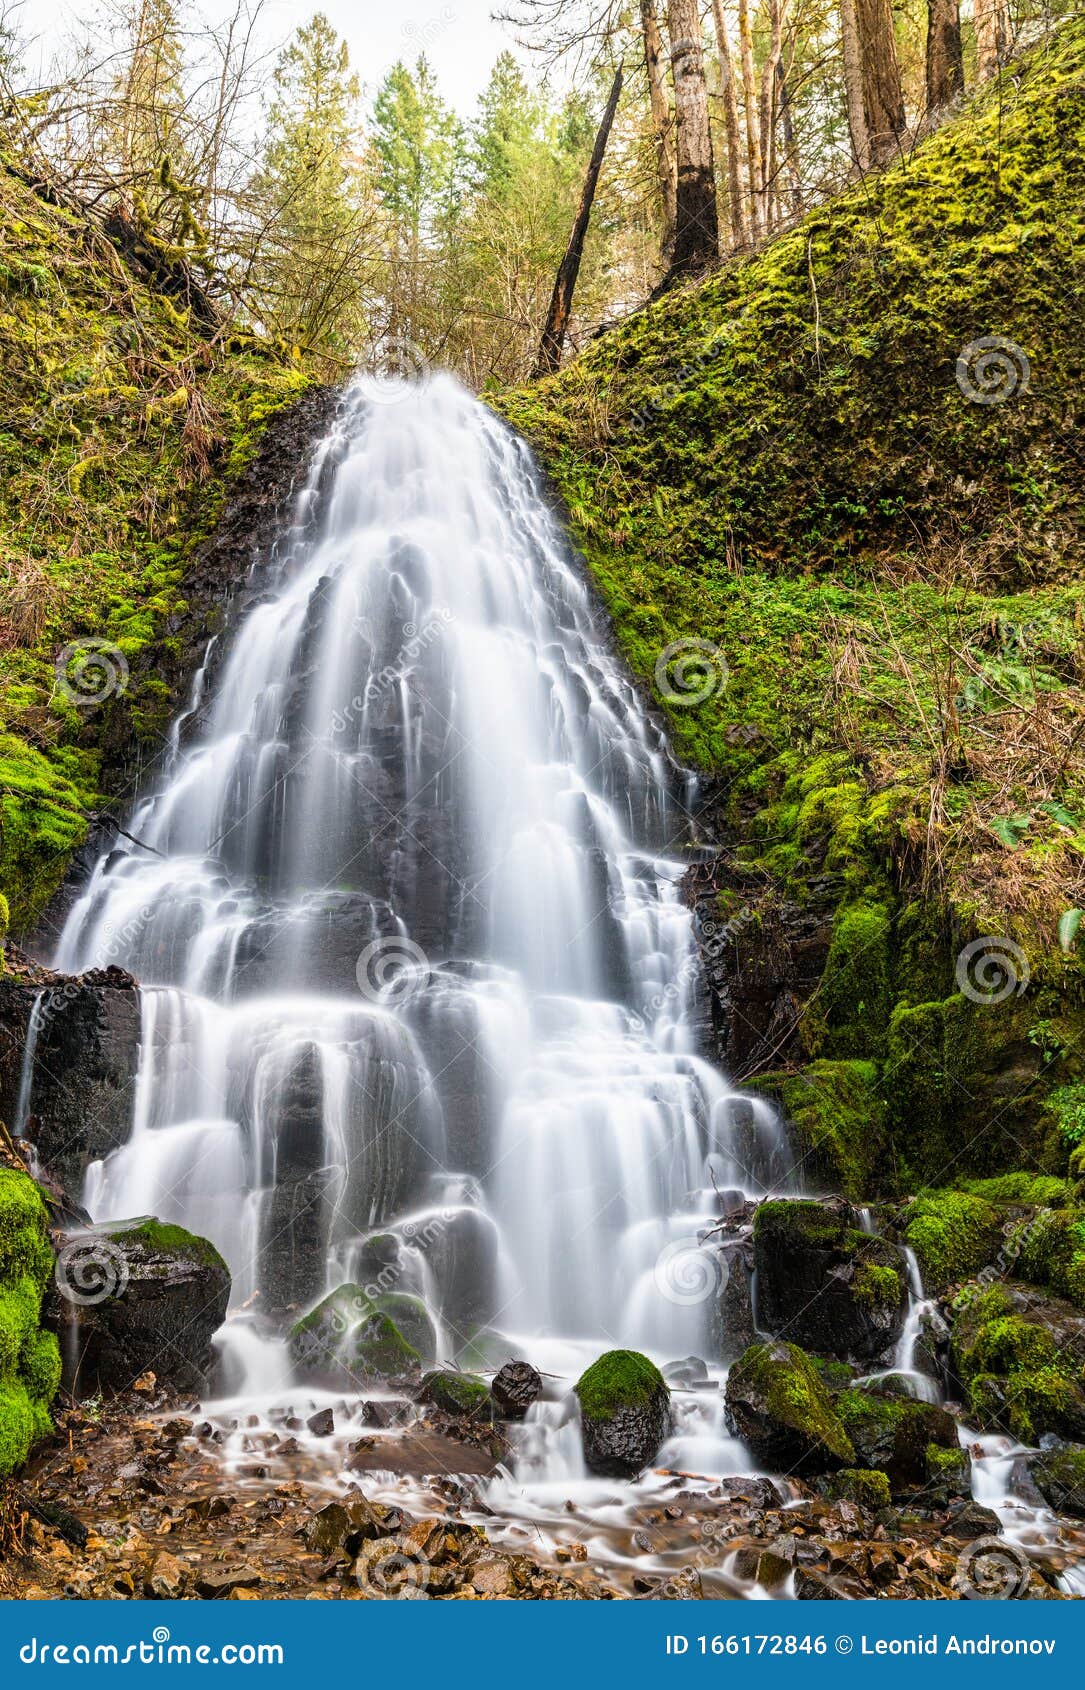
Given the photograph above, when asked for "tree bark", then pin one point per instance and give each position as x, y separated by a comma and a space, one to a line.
740, 233
791, 144
883, 97
696, 230
992, 37
561, 300
853, 84
777, 9
662, 122
749, 100
945, 66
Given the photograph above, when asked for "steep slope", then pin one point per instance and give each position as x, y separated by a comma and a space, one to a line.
122, 426
831, 497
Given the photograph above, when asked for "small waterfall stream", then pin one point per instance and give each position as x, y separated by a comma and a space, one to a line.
417, 973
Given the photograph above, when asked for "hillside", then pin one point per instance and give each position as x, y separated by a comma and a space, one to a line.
123, 424
840, 540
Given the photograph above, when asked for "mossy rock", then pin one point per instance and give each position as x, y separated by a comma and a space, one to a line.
463, 1395
893, 1434
949, 1475
867, 1488
824, 1284
349, 1338
624, 1412
1015, 1350
376, 1349
953, 1233
850, 1017
1059, 1475
29, 1356
838, 1116
413, 1321
778, 1405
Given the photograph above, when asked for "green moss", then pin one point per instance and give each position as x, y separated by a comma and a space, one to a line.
167, 1239
461, 1394
851, 1014
877, 1287
1020, 1187
953, 1233
1016, 1373
29, 1357
839, 1120
784, 1376
1049, 1249
412, 1320
376, 1349
619, 1379
866, 1487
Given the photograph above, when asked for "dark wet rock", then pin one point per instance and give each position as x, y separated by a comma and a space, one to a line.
761, 1566
85, 1061
1059, 1476
463, 1258
515, 1387
1017, 1356
322, 1423
894, 1434
684, 1586
824, 1284
222, 1581
134, 1299
462, 1395
779, 1406
865, 1487
686, 1374
347, 1525
972, 1521
624, 1413
735, 1325
290, 1269
812, 1586
347, 1340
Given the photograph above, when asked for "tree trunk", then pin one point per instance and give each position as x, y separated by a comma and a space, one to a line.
662, 122
883, 98
992, 37
777, 9
791, 144
561, 300
853, 84
740, 234
749, 100
945, 67
696, 229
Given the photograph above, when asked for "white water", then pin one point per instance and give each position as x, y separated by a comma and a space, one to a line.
415, 957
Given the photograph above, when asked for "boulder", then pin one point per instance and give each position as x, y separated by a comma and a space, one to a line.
515, 1387
894, 1435
133, 1298
778, 1405
868, 1489
463, 1395
825, 1285
624, 1413
1018, 1356
1059, 1476
348, 1340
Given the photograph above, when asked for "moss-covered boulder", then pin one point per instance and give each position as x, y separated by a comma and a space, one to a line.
894, 1434
1059, 1475
624, 1413
837, 1114
823, 1284
463, 1395
1016, 1353
779, 1406
137, 1297
953, 1233
864, 1486
350, 1338
949, 1475
29, 1357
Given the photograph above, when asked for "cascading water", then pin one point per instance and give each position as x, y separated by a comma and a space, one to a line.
414, 955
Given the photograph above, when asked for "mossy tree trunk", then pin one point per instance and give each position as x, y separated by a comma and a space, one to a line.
740, 231
696, 235
662, 122
945, 65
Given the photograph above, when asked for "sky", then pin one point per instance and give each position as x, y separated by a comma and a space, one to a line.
459, 37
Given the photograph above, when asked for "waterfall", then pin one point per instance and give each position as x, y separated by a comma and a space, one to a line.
417, 972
